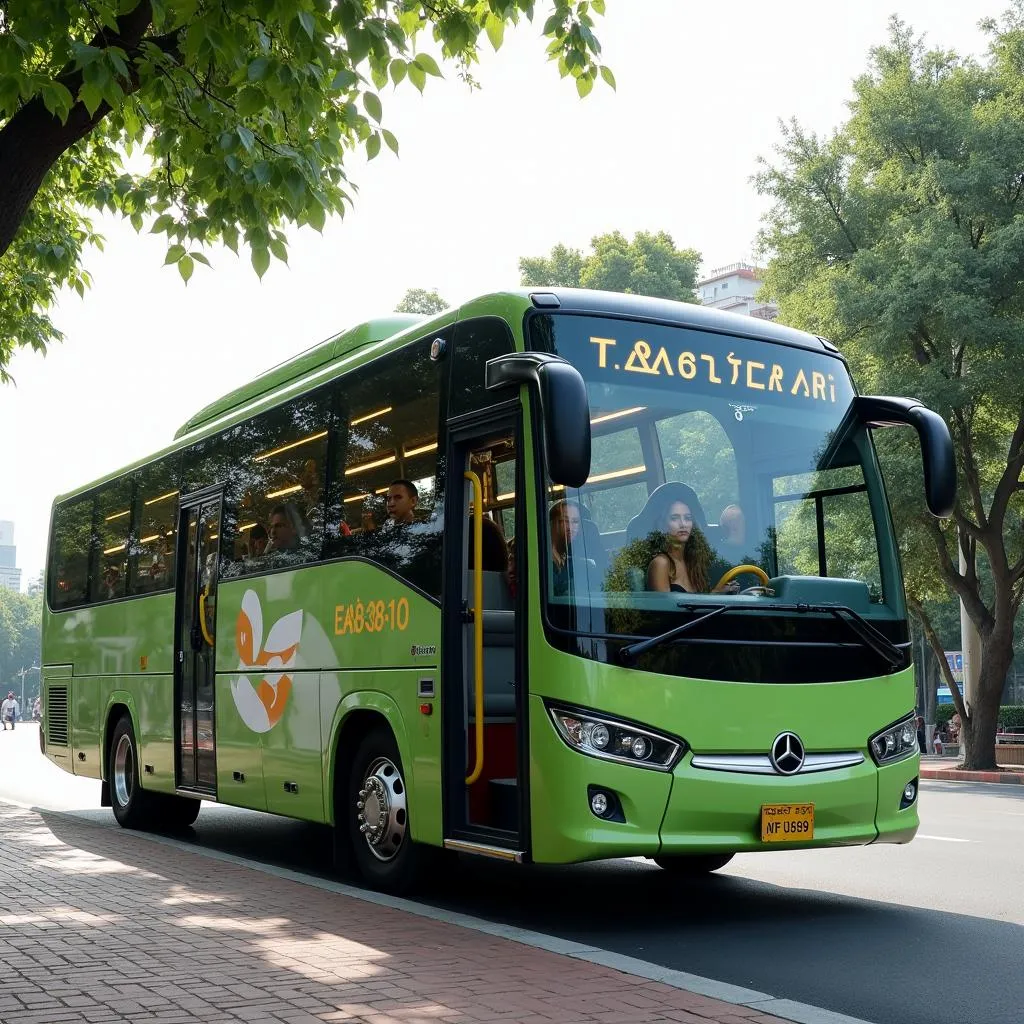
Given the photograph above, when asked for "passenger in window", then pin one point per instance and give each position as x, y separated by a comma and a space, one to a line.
111, 584
732, 524
565, 521
401, 501
258, 540
682, 562
494, 547
286, 528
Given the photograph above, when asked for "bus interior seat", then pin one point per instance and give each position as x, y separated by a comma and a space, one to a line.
499, 649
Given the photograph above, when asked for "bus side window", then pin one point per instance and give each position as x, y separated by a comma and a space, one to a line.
476, 341
273, 510
154, 525
69, 553
112, 522
387, 444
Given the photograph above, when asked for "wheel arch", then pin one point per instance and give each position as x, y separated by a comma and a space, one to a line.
354, 717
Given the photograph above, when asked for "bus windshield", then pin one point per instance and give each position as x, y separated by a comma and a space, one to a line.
712, 453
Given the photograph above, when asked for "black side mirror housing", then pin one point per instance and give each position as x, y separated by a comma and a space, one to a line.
565, 408
936, 444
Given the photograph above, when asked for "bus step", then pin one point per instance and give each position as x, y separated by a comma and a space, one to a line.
484, 850
504, 800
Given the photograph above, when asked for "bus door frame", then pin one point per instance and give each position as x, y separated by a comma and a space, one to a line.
463, 435
198, 655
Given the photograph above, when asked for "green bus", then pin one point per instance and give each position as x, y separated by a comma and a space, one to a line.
553, 576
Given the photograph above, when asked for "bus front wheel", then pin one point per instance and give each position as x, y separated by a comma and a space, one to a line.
132, 805
693, 865
377, 815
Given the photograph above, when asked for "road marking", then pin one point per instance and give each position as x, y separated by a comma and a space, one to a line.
763, 1002
944, 839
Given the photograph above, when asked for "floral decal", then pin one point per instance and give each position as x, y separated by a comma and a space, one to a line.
261, 706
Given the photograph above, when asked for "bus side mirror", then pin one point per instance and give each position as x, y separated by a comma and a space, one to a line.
936, 444
564, 406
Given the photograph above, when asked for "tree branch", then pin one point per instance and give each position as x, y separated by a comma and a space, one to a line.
1009, 481
976, 609
940, 656
33, 139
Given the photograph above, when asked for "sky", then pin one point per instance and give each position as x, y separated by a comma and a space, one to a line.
482, 178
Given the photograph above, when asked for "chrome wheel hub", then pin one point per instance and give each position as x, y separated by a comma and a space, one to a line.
381, 809
124, 770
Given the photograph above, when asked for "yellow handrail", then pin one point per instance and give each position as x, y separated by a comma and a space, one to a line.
202, 615
478, 620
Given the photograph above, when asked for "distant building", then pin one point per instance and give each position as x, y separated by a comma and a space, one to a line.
10, 575
733, 289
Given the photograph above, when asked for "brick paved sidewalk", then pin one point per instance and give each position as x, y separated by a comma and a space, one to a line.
104, 926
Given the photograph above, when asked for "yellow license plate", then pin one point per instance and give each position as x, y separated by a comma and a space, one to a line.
787, 823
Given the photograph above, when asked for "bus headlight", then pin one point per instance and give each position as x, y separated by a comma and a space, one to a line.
614, 740
895, 742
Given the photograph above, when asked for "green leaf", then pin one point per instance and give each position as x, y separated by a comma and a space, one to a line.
257, 68
260, 260
372, 146
428, 64
390, 140
371, 101
246, 137
343, 79
249, 101
57, 99
162, 224
279, 249
495, 28
308, 23
91, 96
199, 258
174, 253
185, 267
584, 84
606, 74
398, 70
417, 76
598, 6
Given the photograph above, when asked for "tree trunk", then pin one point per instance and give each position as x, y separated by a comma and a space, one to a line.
978, 732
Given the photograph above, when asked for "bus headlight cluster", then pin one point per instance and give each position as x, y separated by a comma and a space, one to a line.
895, 742
612, 740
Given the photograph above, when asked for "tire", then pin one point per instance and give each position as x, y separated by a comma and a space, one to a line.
132, 805
693, 865
375, 816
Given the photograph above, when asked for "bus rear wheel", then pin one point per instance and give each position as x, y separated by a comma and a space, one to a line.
693, 865
132, 805
376, 815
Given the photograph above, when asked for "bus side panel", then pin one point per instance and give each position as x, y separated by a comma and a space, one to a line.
55, 730
291, 754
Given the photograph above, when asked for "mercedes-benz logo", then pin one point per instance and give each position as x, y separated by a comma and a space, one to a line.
787, 753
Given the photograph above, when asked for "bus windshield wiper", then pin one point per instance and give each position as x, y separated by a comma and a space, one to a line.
629, 653
860, 627
868, 635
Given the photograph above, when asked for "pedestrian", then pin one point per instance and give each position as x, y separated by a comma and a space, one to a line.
9, 711
937, 740
922, 746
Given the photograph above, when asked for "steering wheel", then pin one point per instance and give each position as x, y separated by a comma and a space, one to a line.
740, 570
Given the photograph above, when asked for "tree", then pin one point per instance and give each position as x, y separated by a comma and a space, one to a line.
649, 265
240, 116
901, 237
419, 300
21, 620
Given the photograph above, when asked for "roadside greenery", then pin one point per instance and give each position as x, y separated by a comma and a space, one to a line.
237, 119
900, 236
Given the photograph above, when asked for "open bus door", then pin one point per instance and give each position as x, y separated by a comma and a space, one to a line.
483, 669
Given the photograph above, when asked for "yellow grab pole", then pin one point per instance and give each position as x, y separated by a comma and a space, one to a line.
478, 620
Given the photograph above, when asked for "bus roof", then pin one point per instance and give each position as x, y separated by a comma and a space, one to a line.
298, 366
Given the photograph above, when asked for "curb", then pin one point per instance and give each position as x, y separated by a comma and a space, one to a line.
956, 775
